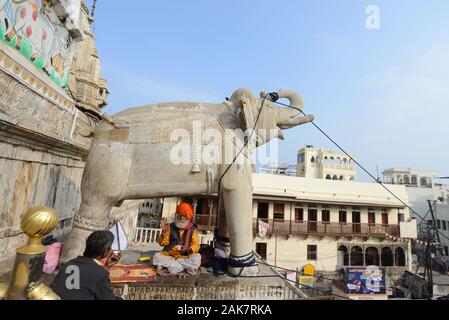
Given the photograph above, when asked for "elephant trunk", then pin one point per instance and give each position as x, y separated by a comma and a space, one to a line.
293, 97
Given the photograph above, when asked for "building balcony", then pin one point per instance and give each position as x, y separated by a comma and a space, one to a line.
338, 166
306, 228
337, 229
205, 222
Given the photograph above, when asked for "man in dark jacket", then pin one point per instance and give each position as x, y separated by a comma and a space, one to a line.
85, 277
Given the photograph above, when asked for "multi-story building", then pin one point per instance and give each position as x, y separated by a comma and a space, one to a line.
279, 168
329, 224
150, 212
409, 177
442, 224
318, 163
421, 191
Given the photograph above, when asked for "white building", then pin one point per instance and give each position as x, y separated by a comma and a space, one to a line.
409, 177
280, 168
329, 224
320, 163
420, 187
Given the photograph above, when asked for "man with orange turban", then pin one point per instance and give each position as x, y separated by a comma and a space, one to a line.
180, 241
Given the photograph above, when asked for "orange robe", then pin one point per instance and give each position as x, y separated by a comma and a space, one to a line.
165, 240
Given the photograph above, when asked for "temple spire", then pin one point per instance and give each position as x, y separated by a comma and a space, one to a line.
94, 6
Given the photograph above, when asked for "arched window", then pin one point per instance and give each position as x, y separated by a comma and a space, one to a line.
386, 257
414, 180
356, 256
399, 259
343, 256
406, 179
313, 159
341, 178
334, 178
372, 256
328, 177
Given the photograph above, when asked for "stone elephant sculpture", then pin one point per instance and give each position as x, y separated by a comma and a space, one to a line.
131, 157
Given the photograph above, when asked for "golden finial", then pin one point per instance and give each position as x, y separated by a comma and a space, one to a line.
39, 291
36, 224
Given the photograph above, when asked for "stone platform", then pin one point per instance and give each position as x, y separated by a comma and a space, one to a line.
206, 286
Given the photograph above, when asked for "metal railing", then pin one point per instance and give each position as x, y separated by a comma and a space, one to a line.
151, 235
147, 235
292, 227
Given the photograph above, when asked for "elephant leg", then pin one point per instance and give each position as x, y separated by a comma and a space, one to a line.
221, 234
90, 217
237, 198
103, 185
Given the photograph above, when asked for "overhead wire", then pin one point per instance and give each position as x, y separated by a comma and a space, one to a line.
358, 164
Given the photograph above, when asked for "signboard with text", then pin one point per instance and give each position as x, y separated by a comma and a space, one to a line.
365, 281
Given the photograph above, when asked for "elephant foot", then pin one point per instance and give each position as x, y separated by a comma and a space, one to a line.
244, 265
75, 244
222, 246
245, 271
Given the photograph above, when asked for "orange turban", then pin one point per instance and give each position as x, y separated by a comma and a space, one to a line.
185, 209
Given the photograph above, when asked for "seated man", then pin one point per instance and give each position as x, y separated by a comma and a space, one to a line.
181, 243
85, 277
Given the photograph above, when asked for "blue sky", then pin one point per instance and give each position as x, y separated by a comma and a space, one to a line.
382, 94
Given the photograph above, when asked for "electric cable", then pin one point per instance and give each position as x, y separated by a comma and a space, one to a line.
358, 164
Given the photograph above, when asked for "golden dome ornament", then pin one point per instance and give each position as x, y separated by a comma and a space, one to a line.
36, 224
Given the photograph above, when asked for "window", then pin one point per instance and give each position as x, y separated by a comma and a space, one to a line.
261, 249
328, 177
356, 226
342, 216
386, 257
356, 256
401, 217
325, 215
343, 256
371, 218
311, 252
399, 258
301, 158
299, 214
262, 211
278, 212
439, 224
384, 217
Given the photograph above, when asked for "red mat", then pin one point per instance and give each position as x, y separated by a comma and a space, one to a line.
132, 273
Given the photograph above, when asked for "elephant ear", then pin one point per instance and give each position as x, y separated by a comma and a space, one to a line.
245, 104
247, 114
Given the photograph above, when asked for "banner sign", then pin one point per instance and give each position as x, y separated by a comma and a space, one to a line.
369, 280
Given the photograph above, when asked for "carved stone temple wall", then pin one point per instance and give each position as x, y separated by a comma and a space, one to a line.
46, 96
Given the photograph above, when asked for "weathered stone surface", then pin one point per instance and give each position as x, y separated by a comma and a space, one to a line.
42, 154
206, 286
